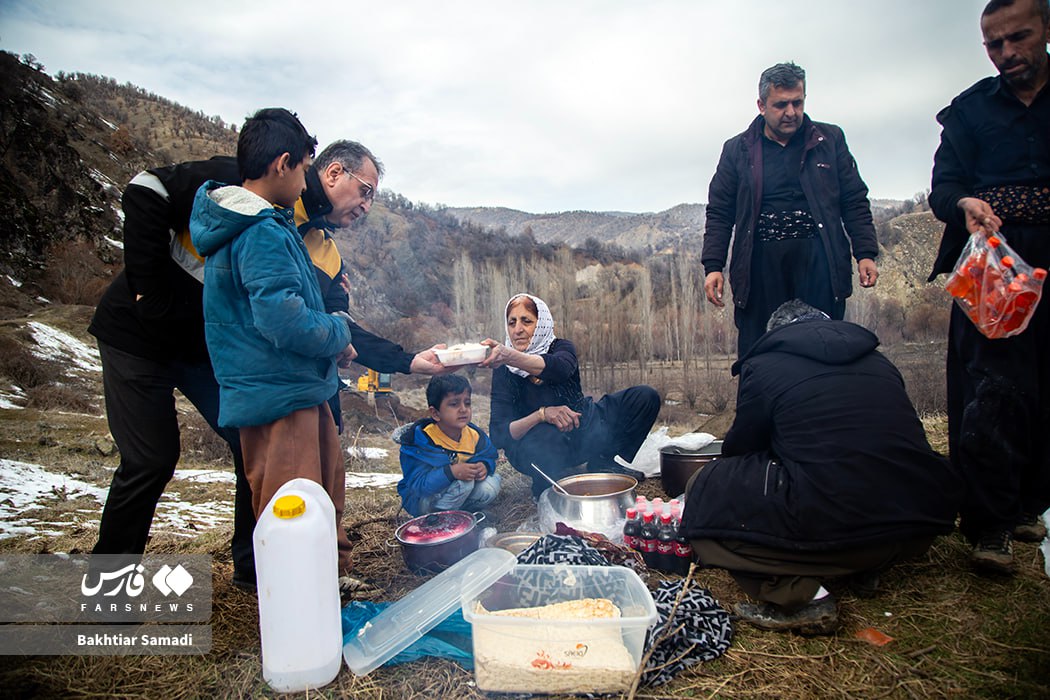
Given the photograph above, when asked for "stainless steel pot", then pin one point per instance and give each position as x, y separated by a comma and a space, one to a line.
678, 464
435, 541
594, 500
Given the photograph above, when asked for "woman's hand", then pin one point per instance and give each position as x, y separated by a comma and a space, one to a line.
561, 417
498, 354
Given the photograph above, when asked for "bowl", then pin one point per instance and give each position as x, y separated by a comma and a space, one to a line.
677, 465
462, 354
514, 542
595, 501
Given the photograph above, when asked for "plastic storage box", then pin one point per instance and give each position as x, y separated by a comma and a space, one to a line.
544, 655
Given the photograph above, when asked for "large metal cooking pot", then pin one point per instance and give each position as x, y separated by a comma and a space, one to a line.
594, 500
435, 541
678, 464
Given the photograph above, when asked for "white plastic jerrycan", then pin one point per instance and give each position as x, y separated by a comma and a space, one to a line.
296, 564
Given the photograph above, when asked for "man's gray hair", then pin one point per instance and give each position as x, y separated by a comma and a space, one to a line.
350, 154
794, 310
1041, 6
785, 76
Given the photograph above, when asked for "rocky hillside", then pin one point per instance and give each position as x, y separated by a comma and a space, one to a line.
68, 145
651, 232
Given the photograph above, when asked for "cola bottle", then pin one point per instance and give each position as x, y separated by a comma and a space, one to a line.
665, 537
632, 530
648, 540
683, 550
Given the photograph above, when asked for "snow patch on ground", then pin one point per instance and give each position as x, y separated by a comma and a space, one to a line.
11, 395
367, 452
25, 487
53, 344
114, 242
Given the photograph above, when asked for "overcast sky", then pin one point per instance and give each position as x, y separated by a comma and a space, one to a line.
538, 105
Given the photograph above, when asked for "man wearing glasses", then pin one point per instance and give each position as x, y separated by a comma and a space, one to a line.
150, 330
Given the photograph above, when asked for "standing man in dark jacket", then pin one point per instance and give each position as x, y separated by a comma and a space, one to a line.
786, 193
825, 472
150, 330
992, 173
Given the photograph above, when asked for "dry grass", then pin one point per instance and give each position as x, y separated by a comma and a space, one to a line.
955, 634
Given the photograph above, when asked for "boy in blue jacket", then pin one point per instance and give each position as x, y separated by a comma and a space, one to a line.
448, 462
274, 348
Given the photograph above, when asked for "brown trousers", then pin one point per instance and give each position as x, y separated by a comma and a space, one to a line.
791, 578
302, 444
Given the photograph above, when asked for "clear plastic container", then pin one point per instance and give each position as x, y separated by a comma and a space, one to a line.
297, 570
398, 626
545, 655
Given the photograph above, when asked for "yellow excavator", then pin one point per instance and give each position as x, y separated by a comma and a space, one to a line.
374, 382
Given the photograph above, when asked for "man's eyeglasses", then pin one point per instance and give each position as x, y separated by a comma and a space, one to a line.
369, 192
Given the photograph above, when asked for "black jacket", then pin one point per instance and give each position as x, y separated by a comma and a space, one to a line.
833, 187
988, 138
826, 451
162, 266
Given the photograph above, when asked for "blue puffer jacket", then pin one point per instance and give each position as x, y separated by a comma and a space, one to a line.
427, 467
271, 343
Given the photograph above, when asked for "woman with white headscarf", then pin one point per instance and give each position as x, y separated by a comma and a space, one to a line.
539, 414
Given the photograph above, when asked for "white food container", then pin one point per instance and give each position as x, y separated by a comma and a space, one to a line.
464, 354
529, 655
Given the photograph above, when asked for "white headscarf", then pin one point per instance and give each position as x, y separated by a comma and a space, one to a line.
542, 337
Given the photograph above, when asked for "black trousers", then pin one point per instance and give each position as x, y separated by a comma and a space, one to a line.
619, 425
140, 408
791, 578
999, 420
795, 268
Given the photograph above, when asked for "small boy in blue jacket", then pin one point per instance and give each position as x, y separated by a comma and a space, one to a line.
448, 462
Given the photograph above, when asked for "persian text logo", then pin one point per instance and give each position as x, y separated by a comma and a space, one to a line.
128, 578
168, 580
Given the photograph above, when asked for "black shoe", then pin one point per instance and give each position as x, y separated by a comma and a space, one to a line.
245, 580
994, 552
815, 617
1030, 529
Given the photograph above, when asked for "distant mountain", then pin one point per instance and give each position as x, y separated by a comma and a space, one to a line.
651, 232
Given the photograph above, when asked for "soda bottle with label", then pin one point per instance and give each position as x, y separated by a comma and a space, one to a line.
648, 540
632, 529
683, 550
665, 537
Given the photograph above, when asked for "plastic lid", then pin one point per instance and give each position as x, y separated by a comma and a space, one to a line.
435, 528
1039, 273
1008, 261
291, 506
994, 242
393, 630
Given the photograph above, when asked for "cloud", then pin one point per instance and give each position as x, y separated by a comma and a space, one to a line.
544, 105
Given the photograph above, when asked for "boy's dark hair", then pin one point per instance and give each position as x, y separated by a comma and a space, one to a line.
444, 384
268, 134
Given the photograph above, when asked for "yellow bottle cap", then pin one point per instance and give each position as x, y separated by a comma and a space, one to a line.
289, 507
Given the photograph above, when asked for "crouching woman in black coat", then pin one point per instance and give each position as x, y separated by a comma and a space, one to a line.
826, 471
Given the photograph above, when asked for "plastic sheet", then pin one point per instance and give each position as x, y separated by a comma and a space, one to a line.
449, 639
647, 460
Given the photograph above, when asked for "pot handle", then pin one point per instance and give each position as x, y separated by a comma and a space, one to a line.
478, 516
393, 544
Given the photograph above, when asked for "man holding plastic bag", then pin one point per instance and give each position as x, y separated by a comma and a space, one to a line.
991, 184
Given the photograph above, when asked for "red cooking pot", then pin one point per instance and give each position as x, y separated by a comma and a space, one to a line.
435, 541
